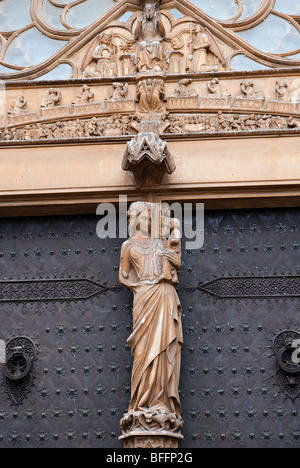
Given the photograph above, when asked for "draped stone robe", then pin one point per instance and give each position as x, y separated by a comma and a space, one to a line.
157, 338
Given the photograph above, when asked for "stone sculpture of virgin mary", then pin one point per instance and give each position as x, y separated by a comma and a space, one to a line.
156, 339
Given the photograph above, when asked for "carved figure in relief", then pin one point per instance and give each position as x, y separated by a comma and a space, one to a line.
86, 96
127, 59
281, 89
157, 337
149, 34
264, 121
104, 54
249, 122
52, 99
183, 90
222, 121
293, 123
119, 92
216, 90
171, 240
247, 88
150, 95
20, 107
201, 43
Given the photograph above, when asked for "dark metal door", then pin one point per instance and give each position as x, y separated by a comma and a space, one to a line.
59, 290
238, 293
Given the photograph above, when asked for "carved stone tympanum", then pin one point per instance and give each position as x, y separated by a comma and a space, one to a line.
149, 267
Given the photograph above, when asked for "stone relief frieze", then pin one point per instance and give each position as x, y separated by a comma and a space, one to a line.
117, 108
124, 125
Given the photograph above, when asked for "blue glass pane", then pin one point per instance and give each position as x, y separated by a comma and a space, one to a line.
290, 7
249, 8
83, 14
220, 9
177, 14
243, 63
274, 35
31, 48
293, 57
14, 14
63, 71
5, 70
64, 2
52, 15
124, 18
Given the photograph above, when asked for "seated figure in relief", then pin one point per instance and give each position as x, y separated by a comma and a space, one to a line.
281, 89
52, 99
86, 96
149, 34
20, 107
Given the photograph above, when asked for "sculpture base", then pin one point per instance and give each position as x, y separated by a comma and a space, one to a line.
152, 74
151, 439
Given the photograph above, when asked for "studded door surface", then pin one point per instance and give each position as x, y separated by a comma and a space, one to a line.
59, 293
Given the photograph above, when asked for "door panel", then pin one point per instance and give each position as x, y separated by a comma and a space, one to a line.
59, 289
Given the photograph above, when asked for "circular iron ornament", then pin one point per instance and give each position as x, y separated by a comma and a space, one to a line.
17, 366
20, 353
286, 347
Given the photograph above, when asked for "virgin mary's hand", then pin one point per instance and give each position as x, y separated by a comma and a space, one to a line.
173, 258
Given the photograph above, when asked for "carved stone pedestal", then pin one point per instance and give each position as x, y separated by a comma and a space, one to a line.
151, 439
151, 429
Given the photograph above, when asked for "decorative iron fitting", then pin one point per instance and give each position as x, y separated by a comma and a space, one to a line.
286, 347
20, 355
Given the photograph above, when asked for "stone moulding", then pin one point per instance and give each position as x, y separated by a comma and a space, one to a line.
244, 103
125, 105
55, 112
183, 103
282, 107
22, 118
214, 103
151, 439
83, 109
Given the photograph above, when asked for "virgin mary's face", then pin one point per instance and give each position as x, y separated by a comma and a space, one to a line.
145, 223
149, 11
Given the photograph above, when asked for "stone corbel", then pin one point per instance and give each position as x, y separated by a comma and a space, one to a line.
147, 156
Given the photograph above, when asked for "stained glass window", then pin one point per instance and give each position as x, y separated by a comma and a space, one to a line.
31, 47
249, 8
14, 14
63, 71
85, 13
290, 7
241, 62
219, 9
275, 35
